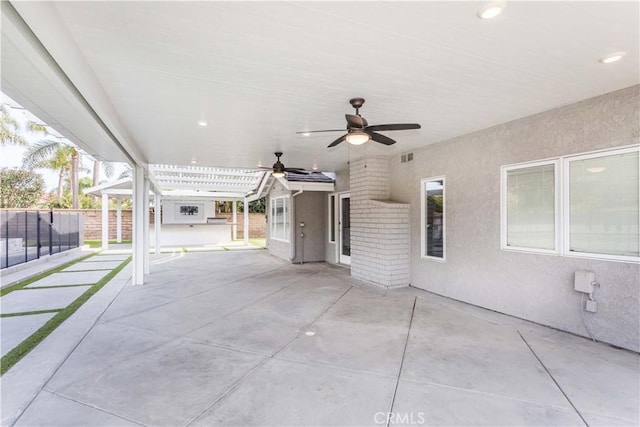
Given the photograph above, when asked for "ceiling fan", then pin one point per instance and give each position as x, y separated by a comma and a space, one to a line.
359, 131
278, 169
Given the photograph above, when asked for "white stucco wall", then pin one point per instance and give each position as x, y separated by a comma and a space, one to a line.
531, 286
171, 211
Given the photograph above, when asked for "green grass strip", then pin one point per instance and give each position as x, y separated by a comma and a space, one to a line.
29, 313
14, 356
98, 243
35, 288
22, 284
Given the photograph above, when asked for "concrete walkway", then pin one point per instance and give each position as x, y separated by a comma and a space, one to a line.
22, 309
242, 338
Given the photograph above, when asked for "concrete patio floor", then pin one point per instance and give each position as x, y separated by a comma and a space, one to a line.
243, 338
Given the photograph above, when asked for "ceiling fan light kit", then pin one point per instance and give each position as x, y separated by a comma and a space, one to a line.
357, 138
359, 131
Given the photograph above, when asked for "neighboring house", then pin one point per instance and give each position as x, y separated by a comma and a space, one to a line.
501, 218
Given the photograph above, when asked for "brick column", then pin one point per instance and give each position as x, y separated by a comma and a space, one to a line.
379, 226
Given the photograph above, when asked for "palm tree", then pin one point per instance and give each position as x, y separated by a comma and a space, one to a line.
107, 167
57, 156
9, 128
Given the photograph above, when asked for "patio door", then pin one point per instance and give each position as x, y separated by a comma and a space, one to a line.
345, 229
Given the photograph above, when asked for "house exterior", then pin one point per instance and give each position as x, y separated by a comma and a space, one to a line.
501, 218
296, 226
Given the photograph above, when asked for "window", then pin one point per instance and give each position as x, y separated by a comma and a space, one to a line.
529, 207
432, 198
599, 216
280, 218
332, 218
602, 204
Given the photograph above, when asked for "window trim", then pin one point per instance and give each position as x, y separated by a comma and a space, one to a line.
423, 208
286, 208
557, 199
566, 200
562, 199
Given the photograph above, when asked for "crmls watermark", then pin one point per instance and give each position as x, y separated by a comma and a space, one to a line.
401, 418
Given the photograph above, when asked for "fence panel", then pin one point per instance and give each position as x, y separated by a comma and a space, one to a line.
28, 235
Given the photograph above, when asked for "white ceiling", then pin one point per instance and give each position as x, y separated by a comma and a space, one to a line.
260, 71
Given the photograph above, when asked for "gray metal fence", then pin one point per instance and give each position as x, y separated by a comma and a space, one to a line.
29, 235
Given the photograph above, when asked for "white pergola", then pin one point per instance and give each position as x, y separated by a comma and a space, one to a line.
175, 181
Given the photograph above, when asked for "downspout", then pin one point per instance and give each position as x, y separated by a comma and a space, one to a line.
292, 237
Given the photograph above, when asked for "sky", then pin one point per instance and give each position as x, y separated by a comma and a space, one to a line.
11, 155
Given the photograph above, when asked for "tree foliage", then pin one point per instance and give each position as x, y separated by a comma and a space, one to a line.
20, 188
57, 156
10, 131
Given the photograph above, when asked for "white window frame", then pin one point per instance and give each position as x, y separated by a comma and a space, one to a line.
562, 211
423, 212
503, 207
272, 225
331, 218
566, 200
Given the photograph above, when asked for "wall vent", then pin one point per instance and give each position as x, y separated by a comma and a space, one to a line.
404, 158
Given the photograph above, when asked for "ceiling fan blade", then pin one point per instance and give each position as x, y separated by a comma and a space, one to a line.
296, 170
306, 132
397, 126
356, 122
377, 137
337, 141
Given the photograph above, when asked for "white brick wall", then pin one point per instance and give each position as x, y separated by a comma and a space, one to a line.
379, 227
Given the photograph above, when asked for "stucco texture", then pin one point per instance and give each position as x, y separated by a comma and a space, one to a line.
536, 287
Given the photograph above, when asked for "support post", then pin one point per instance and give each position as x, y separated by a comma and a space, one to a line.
156, 220
118, 220
234, 219
138, 225
245, 223
147, 224
105, 221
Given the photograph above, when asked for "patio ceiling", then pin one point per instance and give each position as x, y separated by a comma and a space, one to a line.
257, 72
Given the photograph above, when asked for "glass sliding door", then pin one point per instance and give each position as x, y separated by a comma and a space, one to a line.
345, 229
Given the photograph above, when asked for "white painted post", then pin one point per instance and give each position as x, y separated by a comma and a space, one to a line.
156, 220
245, 228
147, 224
105, 221
118, 220
138, 225
234, 218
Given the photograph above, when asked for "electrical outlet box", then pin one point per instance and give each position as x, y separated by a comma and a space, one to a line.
591, 306
584, 281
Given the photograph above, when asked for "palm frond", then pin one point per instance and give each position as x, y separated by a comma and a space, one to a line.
37, 128
10, 132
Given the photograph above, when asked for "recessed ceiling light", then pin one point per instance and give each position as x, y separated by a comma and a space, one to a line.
491, 10
194, 161
309, 333
314, 167
306, 134
202, 123
612, 57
